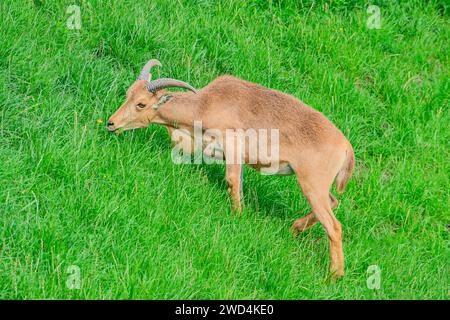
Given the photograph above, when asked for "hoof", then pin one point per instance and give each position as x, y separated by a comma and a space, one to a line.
334, 276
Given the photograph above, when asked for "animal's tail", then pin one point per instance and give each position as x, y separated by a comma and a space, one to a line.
346, 171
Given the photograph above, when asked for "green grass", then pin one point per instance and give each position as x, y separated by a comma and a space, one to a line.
139, 226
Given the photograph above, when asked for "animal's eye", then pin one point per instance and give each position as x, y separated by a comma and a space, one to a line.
141, 105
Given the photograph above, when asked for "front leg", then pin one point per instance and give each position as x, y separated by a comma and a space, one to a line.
234, 177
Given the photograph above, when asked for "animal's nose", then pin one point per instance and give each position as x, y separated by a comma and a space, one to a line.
110, 125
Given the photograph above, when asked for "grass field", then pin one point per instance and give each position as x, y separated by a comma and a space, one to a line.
115, 208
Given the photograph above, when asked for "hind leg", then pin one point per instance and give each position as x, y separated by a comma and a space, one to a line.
317, 194
310, 219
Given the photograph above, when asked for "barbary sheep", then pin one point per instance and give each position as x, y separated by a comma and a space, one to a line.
307, 144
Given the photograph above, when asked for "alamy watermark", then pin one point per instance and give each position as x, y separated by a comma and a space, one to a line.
73, 281
374, 20
234, 146
374, 277
74, 19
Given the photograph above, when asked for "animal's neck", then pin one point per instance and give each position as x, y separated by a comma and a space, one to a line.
181, 111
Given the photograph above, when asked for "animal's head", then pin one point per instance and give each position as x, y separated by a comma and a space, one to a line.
144, 97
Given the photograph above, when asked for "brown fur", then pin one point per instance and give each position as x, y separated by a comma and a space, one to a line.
309, 143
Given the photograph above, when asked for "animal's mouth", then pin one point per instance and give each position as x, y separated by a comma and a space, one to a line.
115, 130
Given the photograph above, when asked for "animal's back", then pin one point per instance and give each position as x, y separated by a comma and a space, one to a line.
243, 104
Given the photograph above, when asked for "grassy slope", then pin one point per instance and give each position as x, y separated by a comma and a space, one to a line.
139, 226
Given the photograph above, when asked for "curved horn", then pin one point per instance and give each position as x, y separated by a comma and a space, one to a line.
155, 85
145, 72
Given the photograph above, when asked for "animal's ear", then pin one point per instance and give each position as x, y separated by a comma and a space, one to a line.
163, 99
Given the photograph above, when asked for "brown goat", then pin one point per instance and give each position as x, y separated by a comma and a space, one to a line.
310, 146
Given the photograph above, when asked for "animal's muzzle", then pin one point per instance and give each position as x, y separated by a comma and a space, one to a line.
110, 126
